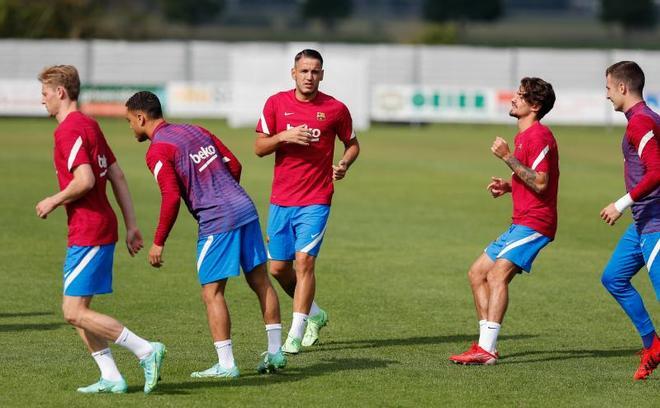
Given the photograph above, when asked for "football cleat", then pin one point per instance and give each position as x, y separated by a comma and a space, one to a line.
105, 387
649, 360
271, 362
217, 371
475, 356
292, 345
152, 365
314, 325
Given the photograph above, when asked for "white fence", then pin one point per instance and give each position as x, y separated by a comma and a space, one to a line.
402, 83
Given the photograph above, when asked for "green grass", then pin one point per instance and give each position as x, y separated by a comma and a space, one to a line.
406, 223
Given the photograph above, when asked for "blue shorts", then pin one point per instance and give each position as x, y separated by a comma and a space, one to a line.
88, 270
296, 229
219, 255
519, 244
633, 252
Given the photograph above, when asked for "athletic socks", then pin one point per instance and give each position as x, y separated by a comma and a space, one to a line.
107, 365
647, 339
225, 353
136, 344
274, 333
488, 336
314, 309
298, 325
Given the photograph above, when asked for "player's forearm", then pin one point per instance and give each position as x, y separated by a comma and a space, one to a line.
123, 197
82, 182
536, 181
264, 145
169, 210
351, 153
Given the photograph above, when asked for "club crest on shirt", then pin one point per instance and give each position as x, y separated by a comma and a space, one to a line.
320, 116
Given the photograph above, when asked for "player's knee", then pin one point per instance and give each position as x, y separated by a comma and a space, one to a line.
496, 280
476, 276
211, 294
612, 282
72, 315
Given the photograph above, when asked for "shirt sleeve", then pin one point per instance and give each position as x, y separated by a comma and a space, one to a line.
641, 133
74, 148
345, 130
538, 156
160, 160
266, 123
228, 158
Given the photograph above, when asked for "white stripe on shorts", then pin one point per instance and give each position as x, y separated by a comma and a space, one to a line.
205, 249
654, 253
79, 268
316, 240
518, 243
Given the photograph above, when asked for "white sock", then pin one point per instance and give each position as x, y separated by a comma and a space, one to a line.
107, 365
298, 325
225, 353
482, 326
314, 309
488, 337
274, 333
136, 344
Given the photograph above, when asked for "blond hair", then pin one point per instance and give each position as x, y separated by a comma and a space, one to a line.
65, 76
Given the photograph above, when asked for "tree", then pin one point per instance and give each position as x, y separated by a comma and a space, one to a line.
630, 14
192, 12
327, 11
48, 18
460, 10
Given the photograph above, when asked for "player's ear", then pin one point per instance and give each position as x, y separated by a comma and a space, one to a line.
623, 88
293, 72
321, 76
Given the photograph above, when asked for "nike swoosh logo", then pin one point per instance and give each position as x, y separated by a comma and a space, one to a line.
314, 235
288, 113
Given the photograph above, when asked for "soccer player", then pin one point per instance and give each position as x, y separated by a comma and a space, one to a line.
300, 126
533, 186
84, 163
640, 244
191, 163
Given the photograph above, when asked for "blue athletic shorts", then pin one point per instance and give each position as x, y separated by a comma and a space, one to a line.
219, 256
519, 244
296, 229
633, 252
88, 270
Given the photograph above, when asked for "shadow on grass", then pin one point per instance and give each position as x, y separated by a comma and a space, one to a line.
25, 314
539, 356
290, 374
29, 327
405, 341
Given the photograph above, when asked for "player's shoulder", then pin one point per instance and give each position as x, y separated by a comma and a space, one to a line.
644, 119
330, 102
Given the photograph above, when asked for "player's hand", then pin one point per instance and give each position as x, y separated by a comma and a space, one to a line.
500, 148
301, 135
156, 256
610, 214
339, 171
45, 207
134, 241
498, 187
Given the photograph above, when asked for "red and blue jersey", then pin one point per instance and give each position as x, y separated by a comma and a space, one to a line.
303, 174
79, 140
191, 163
641, 152
536, 148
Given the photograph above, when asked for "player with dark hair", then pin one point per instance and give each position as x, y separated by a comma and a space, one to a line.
533, 186
191, 163
640, 244
300, 126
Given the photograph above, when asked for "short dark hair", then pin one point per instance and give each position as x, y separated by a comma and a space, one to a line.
309, 53
146, 102
538, 92
628, 72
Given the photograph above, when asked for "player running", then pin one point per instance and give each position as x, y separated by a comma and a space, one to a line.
640, 244
191, 163
84, 163
300, 126
533, 186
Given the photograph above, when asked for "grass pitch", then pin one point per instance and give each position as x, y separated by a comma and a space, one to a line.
406, 223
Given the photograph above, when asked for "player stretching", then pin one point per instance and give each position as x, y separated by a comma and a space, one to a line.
84, 163
533, 186
640, 243
189, 162
300, 126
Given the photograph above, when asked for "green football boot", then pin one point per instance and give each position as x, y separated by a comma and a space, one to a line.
271, 362
217, 371
152, 365
292, 345
314, 325
105, 387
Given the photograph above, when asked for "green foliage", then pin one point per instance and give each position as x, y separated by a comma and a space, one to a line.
630, 14
406, 223
327, 11
192, 12
457, 10
48, 18
439, 34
